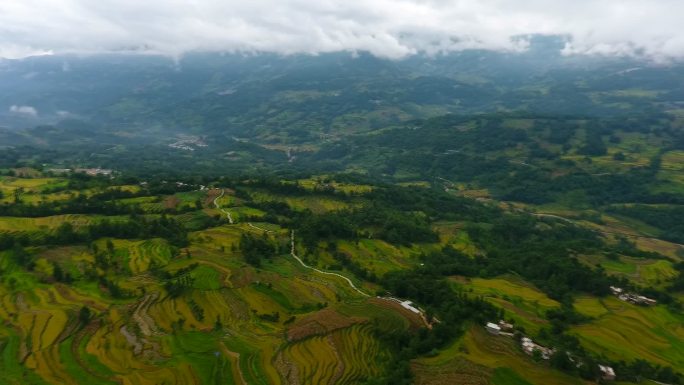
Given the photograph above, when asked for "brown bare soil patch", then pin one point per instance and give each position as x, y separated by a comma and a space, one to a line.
64, 291
460, 279
242, 277
321, 322
63, 253
26, 172
211, 195
171, 202
462, 372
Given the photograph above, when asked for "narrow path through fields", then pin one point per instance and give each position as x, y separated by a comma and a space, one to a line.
236, 357
294, 255
420, 313
230, 218
259, 228
601, 231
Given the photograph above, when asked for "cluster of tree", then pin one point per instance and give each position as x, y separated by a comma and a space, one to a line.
345, 261
270, 317
454, 311
78, 205
678, 284
113, 288
667, 219
316, 228
276, 211
541, 251
59, 275
255, 249
472, 149
593, 145
104, 203
402, 228
278, 186
640, 369
178, 283
84, 315
196, 309
134, 227
372, 220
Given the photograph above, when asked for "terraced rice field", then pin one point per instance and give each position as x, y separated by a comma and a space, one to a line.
673, 161
347, 188
514, 289
319, 204
46, 317
346, 356
480, 358
233, 324
15, 224
31, 184
140, 255
149, 204
624, 331
452, 234
206, 278
243, 213
523, 302
379, 256
644, 272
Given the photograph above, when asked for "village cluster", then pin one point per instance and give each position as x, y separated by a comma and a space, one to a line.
188, 143
633, 298
531, 348
87, 171
503, 328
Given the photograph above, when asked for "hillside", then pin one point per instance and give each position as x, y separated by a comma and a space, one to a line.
341, 219
129, 281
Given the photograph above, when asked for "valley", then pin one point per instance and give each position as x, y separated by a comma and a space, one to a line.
269, 281
469, 217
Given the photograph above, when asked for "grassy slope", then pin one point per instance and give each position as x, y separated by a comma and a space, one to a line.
623, 331
487, 358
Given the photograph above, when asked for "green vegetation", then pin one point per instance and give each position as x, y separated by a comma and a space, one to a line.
518, 217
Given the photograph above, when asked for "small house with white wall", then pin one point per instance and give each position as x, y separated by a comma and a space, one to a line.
493, 328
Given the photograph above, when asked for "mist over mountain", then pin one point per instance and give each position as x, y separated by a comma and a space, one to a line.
254, 95
341, 192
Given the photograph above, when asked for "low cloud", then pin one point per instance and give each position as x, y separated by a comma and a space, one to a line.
24, 110
386, 28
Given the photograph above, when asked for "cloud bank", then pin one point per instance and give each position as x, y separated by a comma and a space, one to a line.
24, 110
386, 28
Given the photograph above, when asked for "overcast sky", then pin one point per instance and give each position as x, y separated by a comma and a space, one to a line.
387, 28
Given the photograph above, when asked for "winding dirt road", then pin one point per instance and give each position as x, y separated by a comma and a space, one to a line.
230, 218
294, 255
259, 228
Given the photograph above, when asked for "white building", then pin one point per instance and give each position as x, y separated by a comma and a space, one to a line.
409, 306
530, 347
607, 373
493, 328
505, 326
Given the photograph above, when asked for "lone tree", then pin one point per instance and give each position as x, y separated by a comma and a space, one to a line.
84, 315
